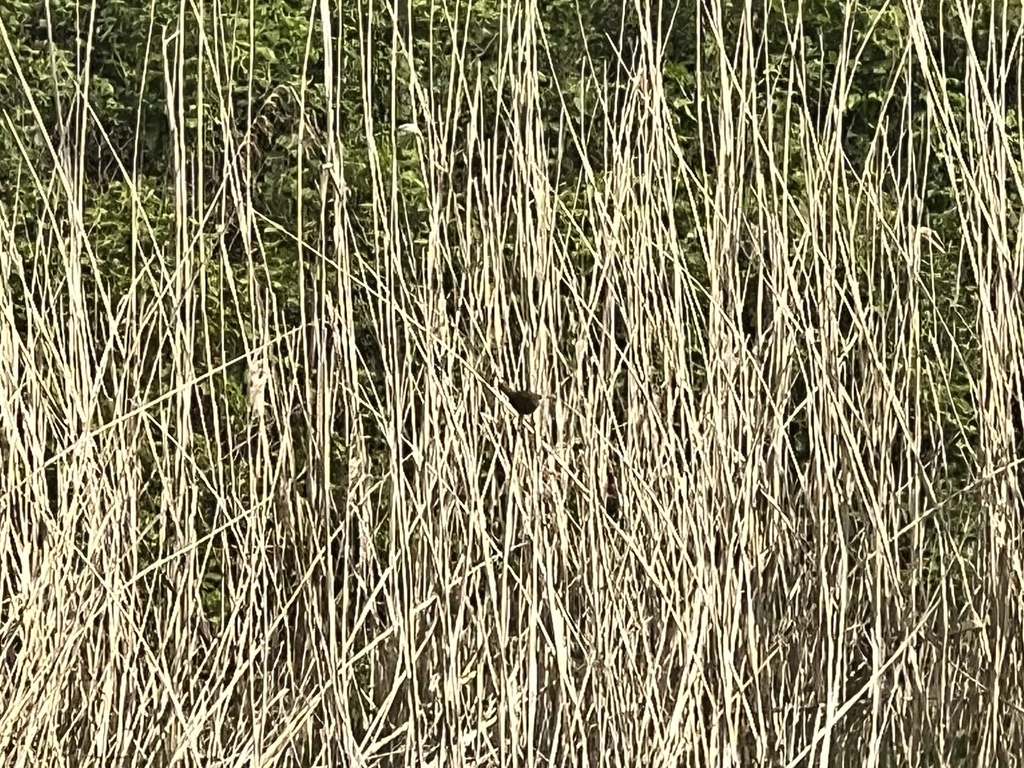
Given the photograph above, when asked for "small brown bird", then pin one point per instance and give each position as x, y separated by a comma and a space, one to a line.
523, 401
611, 499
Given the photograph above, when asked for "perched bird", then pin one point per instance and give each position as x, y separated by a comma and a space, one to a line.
523, 401
612, 504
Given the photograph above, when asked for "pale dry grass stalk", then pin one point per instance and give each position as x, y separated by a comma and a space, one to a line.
406, 574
